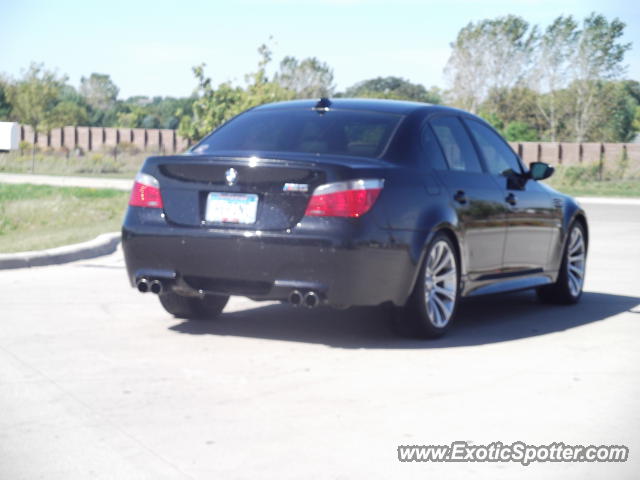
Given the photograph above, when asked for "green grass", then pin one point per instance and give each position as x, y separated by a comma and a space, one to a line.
605, 188
94, 164
35, 217
616, 180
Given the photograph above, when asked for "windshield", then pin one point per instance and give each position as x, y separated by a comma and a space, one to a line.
337, 132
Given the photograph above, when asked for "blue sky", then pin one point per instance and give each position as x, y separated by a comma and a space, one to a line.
149, 47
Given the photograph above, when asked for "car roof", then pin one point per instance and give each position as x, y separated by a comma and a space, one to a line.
399, 107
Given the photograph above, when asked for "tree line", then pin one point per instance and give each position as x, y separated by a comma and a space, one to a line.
561, 83
44, 99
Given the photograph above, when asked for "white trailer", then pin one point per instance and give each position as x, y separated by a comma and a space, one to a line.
9, 136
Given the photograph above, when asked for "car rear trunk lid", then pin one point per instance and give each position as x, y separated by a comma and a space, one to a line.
199, 191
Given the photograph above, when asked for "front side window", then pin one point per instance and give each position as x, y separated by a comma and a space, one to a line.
499, 157
336, 132
456, 144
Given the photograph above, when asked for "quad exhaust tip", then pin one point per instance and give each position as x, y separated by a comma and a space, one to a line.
311, 299
156, 287
308, 299
295, 298
143, 285
146, 285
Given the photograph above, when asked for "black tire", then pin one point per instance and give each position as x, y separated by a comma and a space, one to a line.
560, 292
416, 318
193, 308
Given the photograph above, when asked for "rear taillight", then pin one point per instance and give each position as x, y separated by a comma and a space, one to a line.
352, 198
146, 192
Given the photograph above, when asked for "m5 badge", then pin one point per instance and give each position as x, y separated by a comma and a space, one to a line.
295, 187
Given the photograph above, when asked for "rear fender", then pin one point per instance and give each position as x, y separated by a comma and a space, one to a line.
421, 242
572, 213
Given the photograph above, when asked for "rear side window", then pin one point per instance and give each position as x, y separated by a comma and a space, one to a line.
432, 150
499, 158
336, 132
456, 144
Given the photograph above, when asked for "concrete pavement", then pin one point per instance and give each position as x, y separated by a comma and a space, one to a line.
96, 380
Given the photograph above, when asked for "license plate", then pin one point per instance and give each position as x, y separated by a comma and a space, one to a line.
231, 207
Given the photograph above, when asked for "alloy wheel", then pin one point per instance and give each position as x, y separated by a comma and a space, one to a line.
440, 284
576, 256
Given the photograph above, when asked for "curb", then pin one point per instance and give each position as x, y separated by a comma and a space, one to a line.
101, 245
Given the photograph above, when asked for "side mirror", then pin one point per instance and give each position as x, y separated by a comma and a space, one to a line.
540, 170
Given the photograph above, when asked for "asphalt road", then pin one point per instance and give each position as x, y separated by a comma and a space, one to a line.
96, 381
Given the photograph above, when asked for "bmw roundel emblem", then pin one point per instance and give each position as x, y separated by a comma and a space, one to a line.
231, 176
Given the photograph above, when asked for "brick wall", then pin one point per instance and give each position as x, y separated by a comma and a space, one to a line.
89, 139
576, 153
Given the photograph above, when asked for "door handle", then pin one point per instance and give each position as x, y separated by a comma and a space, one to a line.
511, 199
460, 197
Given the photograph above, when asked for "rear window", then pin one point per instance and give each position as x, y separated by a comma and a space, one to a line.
337, 132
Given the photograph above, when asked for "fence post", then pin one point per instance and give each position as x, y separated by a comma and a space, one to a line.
601, 162
115, 147
33, 151
580, 153
559, 153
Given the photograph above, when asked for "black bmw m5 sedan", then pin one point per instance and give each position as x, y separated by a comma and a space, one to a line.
351, 202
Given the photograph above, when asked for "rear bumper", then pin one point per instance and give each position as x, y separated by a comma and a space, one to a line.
345, 262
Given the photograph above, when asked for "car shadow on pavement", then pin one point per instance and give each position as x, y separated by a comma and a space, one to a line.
482, 320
